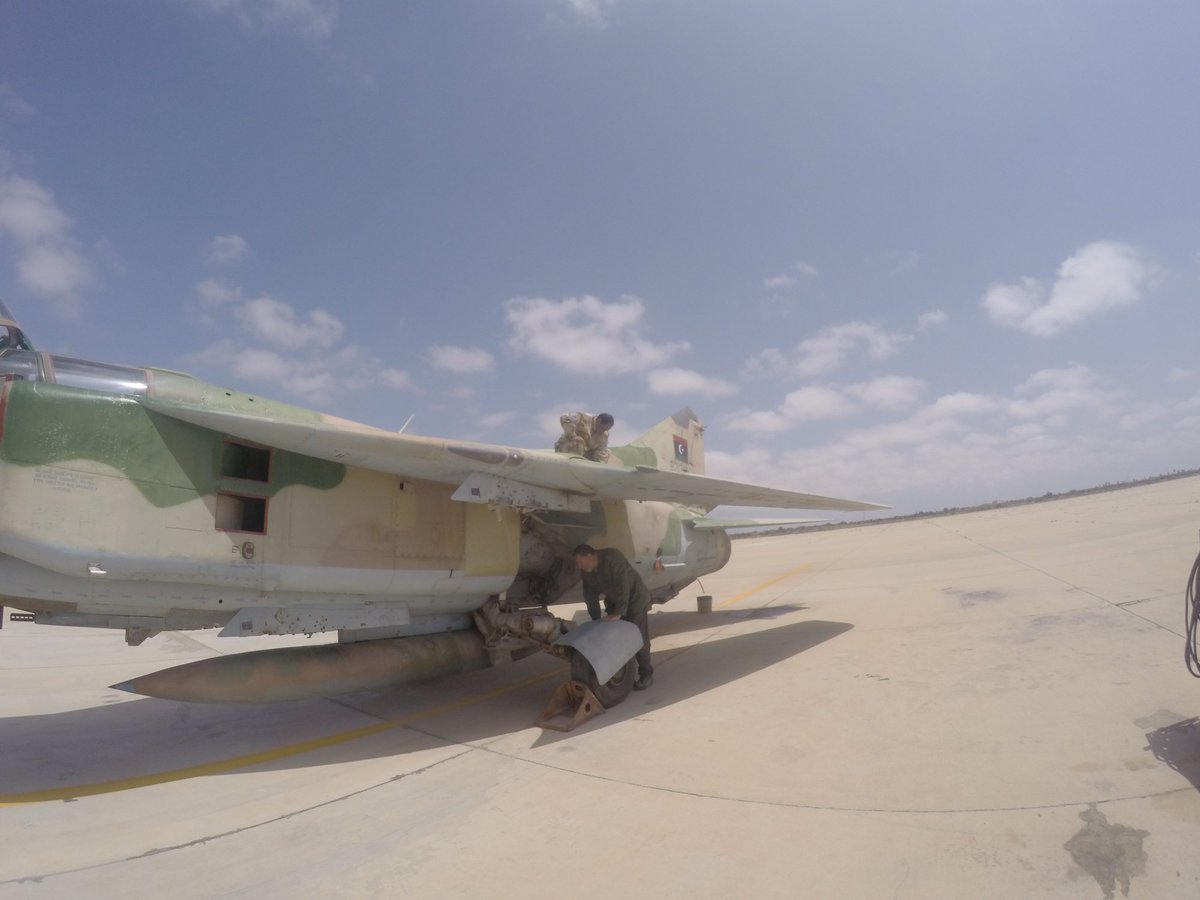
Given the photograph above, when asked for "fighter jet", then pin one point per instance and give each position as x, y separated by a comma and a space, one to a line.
146, 500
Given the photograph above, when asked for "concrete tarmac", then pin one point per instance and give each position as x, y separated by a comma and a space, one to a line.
984, 705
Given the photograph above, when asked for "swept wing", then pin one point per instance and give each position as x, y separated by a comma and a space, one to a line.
707, 523
488, 472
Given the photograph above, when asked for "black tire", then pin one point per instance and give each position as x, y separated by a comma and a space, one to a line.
614, 690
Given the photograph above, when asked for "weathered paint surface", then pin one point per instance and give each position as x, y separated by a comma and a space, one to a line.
114, 507
296, 673
49, 425
96, 482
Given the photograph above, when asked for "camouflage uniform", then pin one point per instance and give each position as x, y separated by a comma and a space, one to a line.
580, 436
625, 595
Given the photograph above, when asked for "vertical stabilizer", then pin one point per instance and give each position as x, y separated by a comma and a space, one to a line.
677, 442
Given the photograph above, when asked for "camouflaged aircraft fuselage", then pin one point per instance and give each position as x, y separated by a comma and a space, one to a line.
147, 500
115, 511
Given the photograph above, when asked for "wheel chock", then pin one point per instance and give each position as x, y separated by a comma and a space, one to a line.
573, 700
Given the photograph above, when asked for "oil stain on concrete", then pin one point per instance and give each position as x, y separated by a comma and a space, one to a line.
1112, 854
973, 598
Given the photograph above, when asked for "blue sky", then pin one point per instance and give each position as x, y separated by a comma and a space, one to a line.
924, 254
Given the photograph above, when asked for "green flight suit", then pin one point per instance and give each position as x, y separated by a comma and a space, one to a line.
625, 595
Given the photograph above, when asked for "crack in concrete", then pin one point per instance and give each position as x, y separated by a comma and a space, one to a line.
156, 851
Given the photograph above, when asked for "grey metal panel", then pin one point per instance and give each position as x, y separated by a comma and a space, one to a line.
606, 645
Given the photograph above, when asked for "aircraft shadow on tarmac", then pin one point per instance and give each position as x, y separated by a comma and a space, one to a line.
683, 621
57, 750
686, 672
1178, 746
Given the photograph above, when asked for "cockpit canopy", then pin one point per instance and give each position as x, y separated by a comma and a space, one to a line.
11, 336
18, 359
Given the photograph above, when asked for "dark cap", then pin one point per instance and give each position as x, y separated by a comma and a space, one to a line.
584, 550
605, 419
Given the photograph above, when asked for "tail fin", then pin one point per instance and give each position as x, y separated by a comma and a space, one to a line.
677, 442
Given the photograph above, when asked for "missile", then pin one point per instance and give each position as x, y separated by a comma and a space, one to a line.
302, 673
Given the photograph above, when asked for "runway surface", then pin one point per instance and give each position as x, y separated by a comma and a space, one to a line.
985, 705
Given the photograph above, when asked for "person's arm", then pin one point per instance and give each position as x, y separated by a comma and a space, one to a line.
591, 597
598, 447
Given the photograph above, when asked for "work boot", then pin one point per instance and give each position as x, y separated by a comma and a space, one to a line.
644, 682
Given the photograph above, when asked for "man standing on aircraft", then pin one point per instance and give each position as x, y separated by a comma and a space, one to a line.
626, 597
585, 434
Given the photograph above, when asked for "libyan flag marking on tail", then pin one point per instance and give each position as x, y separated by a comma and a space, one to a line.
681, 450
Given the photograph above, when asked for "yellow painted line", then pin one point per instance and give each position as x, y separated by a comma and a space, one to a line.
766, 584
253, 759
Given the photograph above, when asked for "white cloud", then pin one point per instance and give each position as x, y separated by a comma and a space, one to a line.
1012, 304
213, 292
303, 356
315, 378
496, 419
1052, 392
276, 322
307, 18
753, 465
227, 249
759, 422
768, 363
953, 406
791, 277
55, 271
585, 335
396, 379
828, 350
48, 259
685, 381
11, 103
823, 402
1100, 276
906, 262
460, 360
932, 319
1060, 428
1146, 415
28, 213
889, 392
812, 403
299, 376
593, 13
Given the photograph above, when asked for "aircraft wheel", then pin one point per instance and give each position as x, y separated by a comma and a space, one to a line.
611, 693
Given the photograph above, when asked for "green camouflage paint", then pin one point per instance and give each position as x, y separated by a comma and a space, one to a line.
46, 425
672, 542
632, 456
